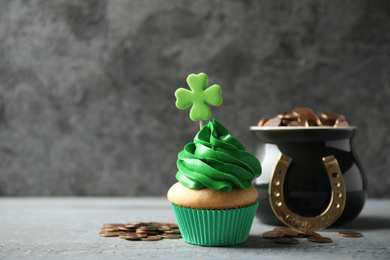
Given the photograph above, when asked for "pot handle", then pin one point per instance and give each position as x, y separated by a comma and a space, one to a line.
326, 218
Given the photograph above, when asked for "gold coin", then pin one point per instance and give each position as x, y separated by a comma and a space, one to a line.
308, 233
131, 236
296, 123
262, 121
173, 231
164, 228
303, 116
147, 228
328, 119
146, 231
272, 122
350, 234
110, 234
289, 232
273, 234
124, 228
112, 227
171, 236
109, 225
315, 239
341, 122
152, 238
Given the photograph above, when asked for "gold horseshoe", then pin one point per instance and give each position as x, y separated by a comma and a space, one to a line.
326, 218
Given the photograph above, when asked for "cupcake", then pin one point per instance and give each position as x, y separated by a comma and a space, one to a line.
214, 201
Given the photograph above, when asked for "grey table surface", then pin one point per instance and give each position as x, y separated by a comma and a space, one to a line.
67, 228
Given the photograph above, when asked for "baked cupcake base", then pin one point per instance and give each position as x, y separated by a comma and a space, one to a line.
215, 227
206, 198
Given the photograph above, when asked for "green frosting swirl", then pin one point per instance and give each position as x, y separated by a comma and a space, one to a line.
216, 160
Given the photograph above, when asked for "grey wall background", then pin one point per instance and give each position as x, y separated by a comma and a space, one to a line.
86, 87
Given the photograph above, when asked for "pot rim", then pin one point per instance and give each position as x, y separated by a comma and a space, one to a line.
297, 128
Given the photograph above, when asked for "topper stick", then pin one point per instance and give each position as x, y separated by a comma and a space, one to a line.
201, 124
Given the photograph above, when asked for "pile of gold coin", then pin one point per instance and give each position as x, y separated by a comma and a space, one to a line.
290, 236
144, 231
303, 116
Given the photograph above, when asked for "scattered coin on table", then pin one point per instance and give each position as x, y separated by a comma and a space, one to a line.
152, 238
141, 231
273, 234
132, 236
171, 236
289, 232
286, 235
350, 234
308, 233
110, 233
317, 239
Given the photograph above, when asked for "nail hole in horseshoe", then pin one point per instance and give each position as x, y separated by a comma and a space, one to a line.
335, 175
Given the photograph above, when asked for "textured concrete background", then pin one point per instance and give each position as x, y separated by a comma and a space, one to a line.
86, 87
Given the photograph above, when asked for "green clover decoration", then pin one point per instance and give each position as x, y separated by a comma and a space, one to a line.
198, 97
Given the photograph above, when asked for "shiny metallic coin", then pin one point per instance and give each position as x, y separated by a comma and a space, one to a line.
273, 234
152, 238
325, 122
296, 123
303, 116
341, 122
124, 228
290, 232
290, 116
171, 236
350, 234
262, 121
302, 110
164, 228
307, 116
272, 122
287, 119
308, 233
170, 224
148, 231
173, 231
131, 236
132, 226
286, 240
329, 117
147, 228
316, 239
112, 227
110, 234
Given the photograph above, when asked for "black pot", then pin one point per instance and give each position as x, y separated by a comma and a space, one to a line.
307, 185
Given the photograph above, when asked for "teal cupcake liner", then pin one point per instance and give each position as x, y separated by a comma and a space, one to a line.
215, 227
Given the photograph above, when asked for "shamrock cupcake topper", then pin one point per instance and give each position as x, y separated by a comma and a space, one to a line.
198, 97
